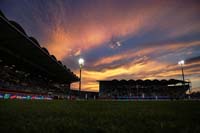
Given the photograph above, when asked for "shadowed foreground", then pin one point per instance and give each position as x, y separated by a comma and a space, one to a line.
99, 116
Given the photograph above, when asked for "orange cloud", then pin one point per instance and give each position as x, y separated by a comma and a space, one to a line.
93, 27
90, 77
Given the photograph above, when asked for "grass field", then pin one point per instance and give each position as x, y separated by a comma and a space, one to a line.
100, 116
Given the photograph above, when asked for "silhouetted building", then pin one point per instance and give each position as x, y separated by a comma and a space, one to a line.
143, 89
27, 66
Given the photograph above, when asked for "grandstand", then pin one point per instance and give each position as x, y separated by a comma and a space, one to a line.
26, 67
143, 89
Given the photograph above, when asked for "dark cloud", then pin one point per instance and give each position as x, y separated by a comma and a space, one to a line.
193, 59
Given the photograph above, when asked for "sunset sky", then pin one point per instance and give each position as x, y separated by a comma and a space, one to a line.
119, 39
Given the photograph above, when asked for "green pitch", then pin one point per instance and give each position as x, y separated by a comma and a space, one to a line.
99, 116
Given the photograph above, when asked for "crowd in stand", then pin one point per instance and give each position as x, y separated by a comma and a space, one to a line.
18, 80
14, 81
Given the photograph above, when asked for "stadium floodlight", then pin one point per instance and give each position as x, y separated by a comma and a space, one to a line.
182, 62
81, 63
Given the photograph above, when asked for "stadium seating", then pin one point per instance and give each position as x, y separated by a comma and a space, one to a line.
26, 67
143, 89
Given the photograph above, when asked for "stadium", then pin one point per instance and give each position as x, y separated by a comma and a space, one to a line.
143, 89
36, 86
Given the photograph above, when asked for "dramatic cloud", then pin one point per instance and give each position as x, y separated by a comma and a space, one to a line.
156, 49
121, 39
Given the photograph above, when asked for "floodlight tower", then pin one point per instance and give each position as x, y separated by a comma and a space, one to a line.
181, 63
81, 63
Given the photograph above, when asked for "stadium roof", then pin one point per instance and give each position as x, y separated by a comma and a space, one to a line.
17, 48
147, 81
